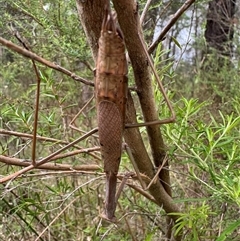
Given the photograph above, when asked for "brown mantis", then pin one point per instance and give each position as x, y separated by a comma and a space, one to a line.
111, 96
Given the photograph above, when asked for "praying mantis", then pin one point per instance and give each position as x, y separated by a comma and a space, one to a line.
111, 96
111, 87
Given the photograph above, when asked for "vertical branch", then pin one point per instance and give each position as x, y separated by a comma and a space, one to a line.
26, 45
130, 24
219, 27
35, 114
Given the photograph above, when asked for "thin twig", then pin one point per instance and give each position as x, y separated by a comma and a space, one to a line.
172, 21
26, 46
72, 122
172, 118
25, 136
93, 171
58, 215
144, 12
137, 188
122, 184
55, 166
46, 159
35, 114
30, 136
33, 56
142, 192
156, 175
128, 223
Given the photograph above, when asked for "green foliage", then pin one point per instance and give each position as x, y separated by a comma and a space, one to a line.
208, 149
194, 218
228, 230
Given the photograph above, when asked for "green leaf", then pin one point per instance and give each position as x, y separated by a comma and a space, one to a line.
228, 230
176, 42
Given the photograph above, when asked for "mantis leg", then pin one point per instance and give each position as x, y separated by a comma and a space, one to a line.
172, 118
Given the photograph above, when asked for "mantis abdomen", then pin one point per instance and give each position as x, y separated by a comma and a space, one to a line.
111, 96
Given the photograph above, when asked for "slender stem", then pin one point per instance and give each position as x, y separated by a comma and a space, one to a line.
129, 152
33, 56
144, 12
46, 159
172, 21
155, 178
35, 115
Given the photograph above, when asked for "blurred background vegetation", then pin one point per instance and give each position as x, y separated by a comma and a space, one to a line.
202, 80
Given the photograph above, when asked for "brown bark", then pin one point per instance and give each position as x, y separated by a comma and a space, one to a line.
92, 13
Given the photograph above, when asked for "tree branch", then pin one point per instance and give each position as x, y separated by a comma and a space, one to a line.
33, 56
130, 25
172, 21
46, 159
48, 166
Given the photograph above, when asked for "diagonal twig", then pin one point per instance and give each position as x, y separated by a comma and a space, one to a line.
172, 21
46, 159
144, 12
33, 56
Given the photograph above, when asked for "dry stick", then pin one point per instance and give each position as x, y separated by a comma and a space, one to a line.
137, 188
122, 184
172, 21
76, 116
33, 56
35, 115
55, 166
43, 138
76, 152
30, 136
26, 45
127, 223
155, 178
129, 152
74, 172
142, 192
46, 159
59, 214
22, 148
144, 12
